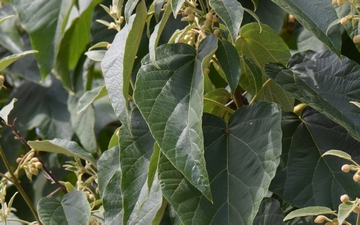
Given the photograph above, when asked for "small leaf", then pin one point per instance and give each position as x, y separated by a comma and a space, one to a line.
102, 44
231, 13
5, 18
72, 209
176, 6
345, 209
96, 55
6, 110
6, 61
338, 153
355, 103
229, 61
309, 211
90, 96
63, 147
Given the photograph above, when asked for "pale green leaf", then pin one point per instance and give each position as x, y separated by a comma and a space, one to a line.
90, 96
309, 211
6, 61
6, 110
338, 153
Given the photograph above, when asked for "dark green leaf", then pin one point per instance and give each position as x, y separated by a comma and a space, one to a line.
136, 147
270, 212
229, 61
241, 159
251, 76
324, 82
307, 13
219, 95
231, 13
304, 177
109, 175
119, 61
170, 99
65, 147
72, 209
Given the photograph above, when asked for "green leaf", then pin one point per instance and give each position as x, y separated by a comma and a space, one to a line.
309, 211
304, 177
5, 18
65, 147
338, 153
307, 13
229, 61
90, 96
309, 77
241, 159
72, 209
255, 2
96, 55
219, 95
114, 140
129, 8
251, 76
172, 111
6, 61
6, 110
136, 147
155, 36
119, 61
176, 6
109, 175
158, 6
345, 209
270, 212
231, 13
45, 22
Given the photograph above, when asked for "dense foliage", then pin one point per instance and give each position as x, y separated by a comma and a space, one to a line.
179, 112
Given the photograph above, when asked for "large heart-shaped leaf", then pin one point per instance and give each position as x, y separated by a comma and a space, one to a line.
118, 62
136, 147
171, 100
304, 177
231, 13
325, 82
72, 209
109, 175
241, 159
307, 13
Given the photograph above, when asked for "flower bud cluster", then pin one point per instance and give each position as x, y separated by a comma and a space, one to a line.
115, 13
347, 168
30, 164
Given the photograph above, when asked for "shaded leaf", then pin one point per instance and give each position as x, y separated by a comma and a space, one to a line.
273, 92
251, 76
119, 61
311, 78
109, 175
219, 95
231, 13
176, 6
90, 96
5, 62
172, 111
229, 61
10, 37
241, 159
270, 212
72, 209
319, 180
6, 110
65, 147
307, 13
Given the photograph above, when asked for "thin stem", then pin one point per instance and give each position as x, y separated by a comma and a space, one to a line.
18, 186
44, 168
219, 104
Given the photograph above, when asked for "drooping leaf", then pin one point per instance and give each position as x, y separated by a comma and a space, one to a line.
90, 96
307, 13
5, 62
231, 13
304, 177
241, 159
270, 212
309, 211
338, 153
119, 60
72, 209
315, 78
229, 61
251, 76
176, 6
65, 147
109, 175
136, 147
6, 110
170, 99
45, 22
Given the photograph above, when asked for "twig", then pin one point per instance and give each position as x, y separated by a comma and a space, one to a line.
47, 172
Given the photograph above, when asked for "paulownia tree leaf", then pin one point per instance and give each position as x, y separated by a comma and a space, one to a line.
304, 177
171, 100
231, 13
136, 147
251, 76
72, 209
325, 82
307, 13
270, 212
63, 147
119, 60
90, 96
109, 175
176, 6
241, 158
5, 62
